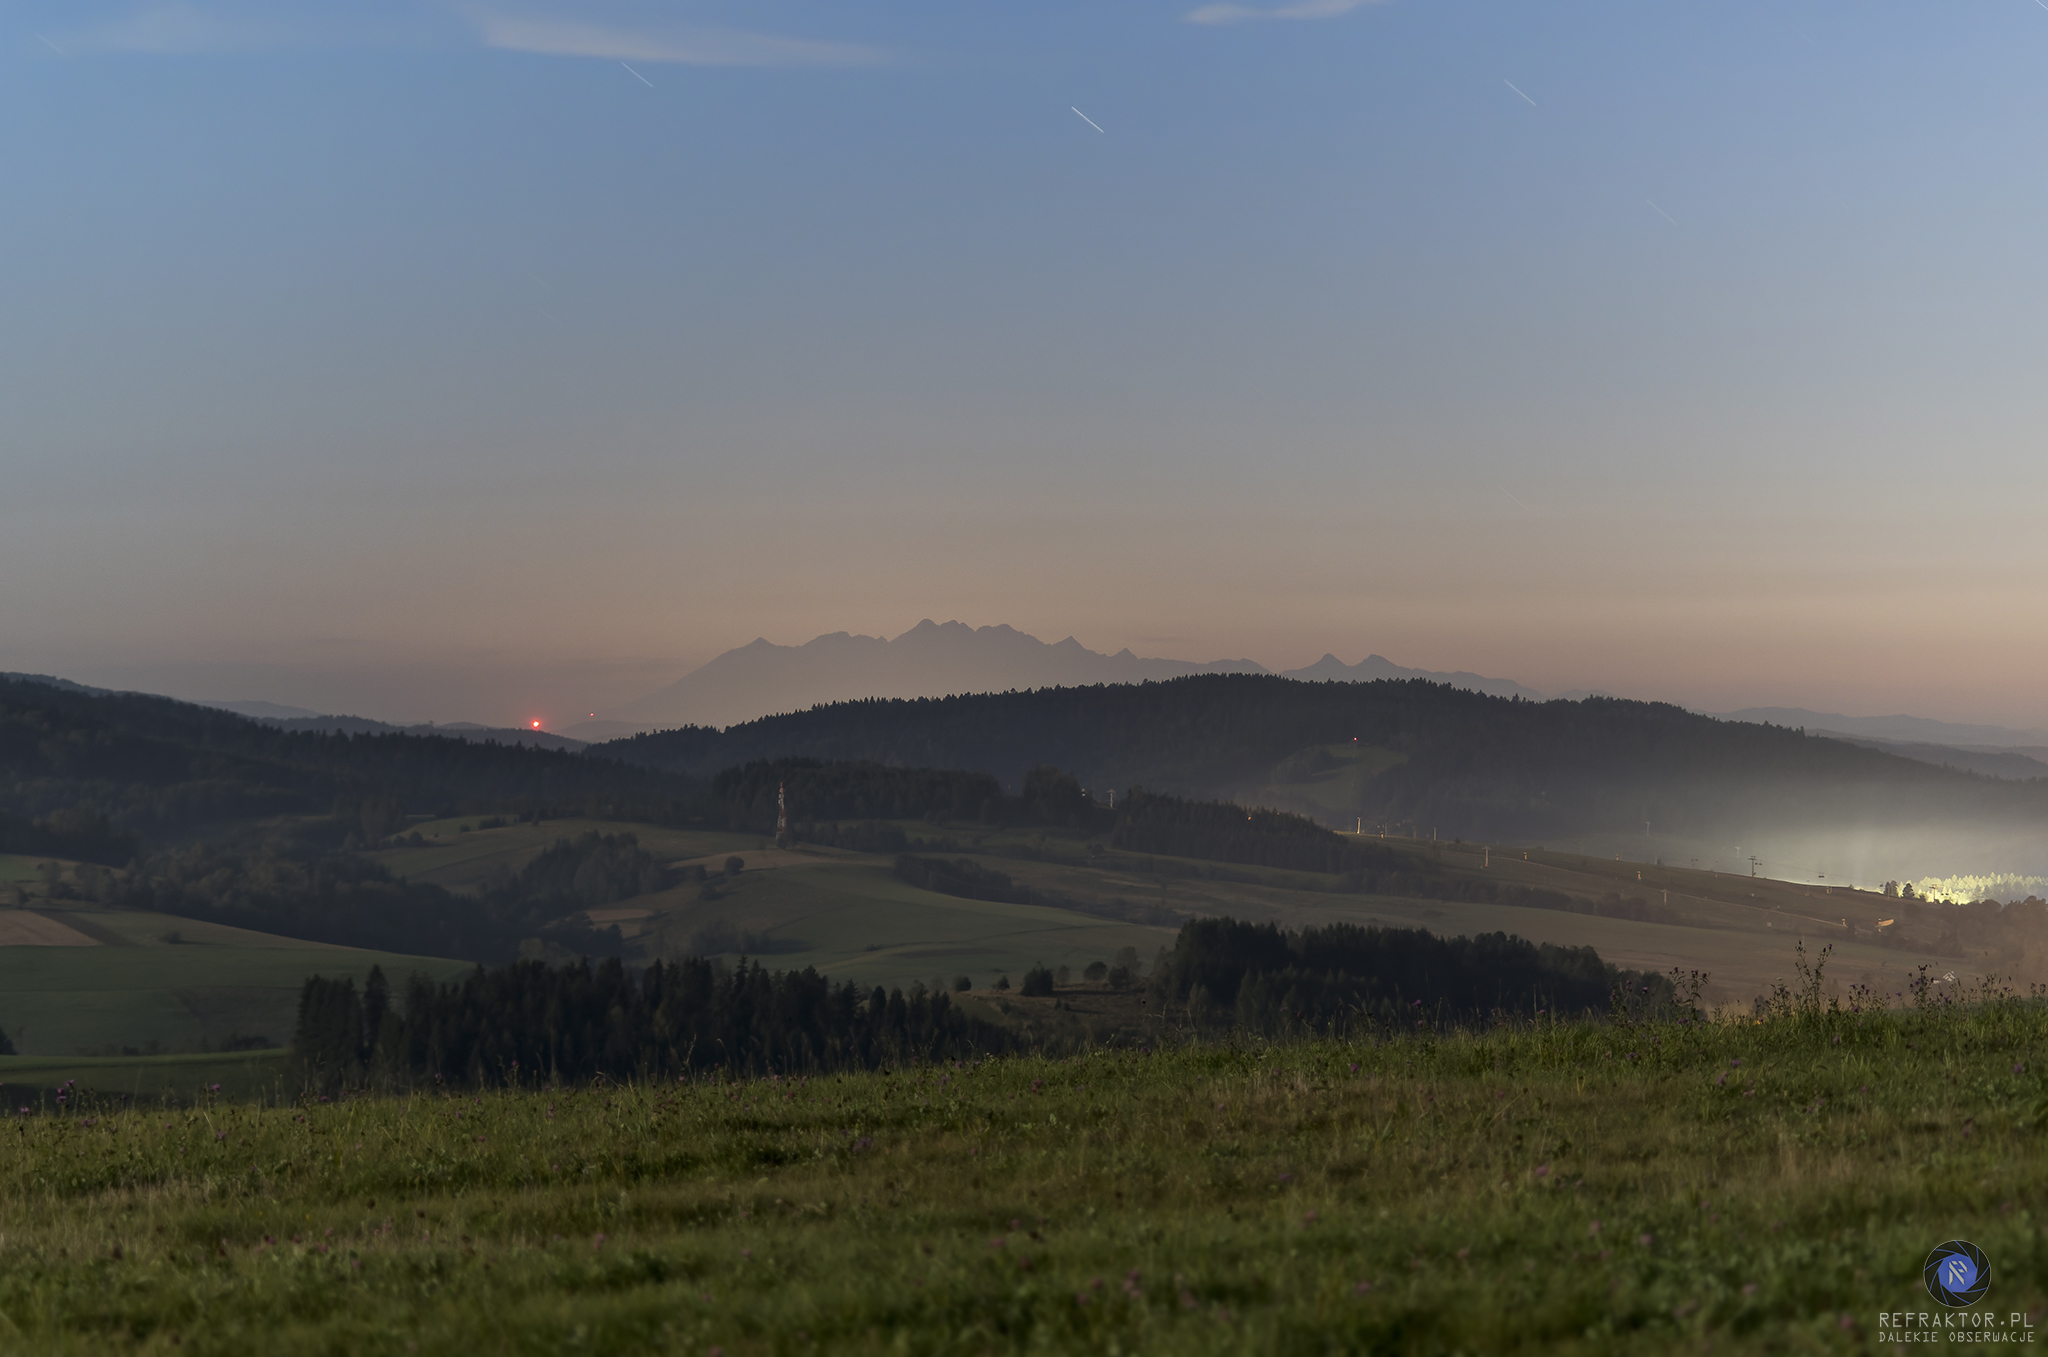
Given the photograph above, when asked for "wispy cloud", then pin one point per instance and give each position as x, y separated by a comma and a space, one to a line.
700, 47
1299, 9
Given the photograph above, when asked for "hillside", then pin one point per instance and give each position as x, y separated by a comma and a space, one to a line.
951, 899
1647, 779
108, 777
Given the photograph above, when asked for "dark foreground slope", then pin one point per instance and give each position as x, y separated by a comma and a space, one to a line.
1609, 1189
1459, 762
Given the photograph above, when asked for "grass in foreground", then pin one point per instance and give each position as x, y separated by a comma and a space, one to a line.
1568, 1188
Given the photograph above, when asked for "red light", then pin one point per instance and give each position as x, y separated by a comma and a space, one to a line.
536, 725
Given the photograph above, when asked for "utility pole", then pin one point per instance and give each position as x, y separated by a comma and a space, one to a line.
1753, 864
782, 836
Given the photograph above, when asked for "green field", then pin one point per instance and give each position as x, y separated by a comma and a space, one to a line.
212, 984
461, 860
1576, 1188
240, 1076
19, 867
849, 915
857, 921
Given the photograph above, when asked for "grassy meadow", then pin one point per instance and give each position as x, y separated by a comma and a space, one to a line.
156, 982
1617, 1188
848, 915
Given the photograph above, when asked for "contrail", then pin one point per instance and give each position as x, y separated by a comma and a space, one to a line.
637, 76
1532, 103
1517, 503
1673, 220
1085, 118
53, 46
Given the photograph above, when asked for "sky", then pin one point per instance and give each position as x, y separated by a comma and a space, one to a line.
505, 361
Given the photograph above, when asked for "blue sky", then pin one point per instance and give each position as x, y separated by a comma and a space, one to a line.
451, 361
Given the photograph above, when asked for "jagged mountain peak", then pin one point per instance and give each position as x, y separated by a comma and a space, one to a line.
937, 659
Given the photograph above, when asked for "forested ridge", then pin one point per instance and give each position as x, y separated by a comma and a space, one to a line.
107, 777
112, 777
1473, 765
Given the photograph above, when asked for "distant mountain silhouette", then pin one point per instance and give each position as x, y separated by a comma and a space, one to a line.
1892, 729
937, 660
2012, 764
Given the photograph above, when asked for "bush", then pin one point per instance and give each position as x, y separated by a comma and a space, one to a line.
1096, 970
735, 865
962, 983
1002, 982
1037, 983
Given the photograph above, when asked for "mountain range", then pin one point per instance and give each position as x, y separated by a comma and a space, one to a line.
1904, 730
936, 659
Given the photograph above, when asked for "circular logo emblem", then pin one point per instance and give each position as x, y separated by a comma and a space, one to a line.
1957, 1273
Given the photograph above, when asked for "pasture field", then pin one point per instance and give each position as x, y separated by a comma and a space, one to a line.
858, 921
171, 982
851, 917
855, 920
460, 861
19, 867
1579, 1188
241, 1076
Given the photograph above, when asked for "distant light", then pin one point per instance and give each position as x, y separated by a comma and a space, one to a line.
536, 725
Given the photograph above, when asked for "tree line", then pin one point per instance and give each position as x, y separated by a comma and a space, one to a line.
1261, 978
530, 1023
351, 901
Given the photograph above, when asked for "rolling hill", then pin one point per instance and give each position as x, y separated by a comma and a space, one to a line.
1648, 779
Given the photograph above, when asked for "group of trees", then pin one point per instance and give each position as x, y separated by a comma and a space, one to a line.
1261, 978
346, 899
532, 1023
75, 833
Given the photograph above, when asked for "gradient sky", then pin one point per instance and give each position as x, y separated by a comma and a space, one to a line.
504, 360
